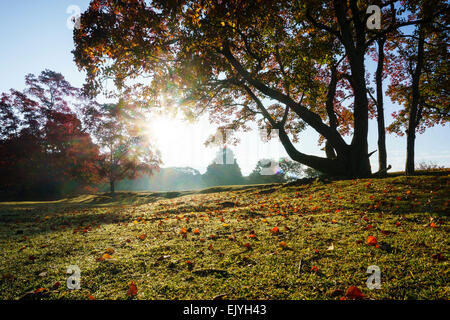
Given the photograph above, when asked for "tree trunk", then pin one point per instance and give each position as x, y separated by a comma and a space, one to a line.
357, 159
413, 120
410, 146
382, 154
111, 186
329, 150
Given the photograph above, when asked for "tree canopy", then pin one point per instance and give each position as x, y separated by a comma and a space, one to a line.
282, 64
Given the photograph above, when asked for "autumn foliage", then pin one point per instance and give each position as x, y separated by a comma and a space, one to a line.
54, 140
43, 146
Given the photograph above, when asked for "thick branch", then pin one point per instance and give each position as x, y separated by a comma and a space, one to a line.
308, 116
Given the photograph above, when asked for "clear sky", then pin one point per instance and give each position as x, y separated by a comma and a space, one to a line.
35, 37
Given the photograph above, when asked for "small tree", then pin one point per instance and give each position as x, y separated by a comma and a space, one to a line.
126, 151
420, 75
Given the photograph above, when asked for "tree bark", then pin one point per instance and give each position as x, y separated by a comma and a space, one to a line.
332, 167
413, 120
357, 159
382, 154
111, 186
329, 150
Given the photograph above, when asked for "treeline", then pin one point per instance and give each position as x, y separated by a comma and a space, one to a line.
54, 140
218, 173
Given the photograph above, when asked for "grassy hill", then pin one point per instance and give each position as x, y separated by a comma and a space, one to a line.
279, 241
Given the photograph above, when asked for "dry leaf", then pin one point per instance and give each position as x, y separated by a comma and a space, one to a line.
132, 289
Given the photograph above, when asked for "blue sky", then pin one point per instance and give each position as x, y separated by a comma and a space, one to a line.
35, 37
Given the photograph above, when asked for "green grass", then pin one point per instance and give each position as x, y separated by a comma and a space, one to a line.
39, 240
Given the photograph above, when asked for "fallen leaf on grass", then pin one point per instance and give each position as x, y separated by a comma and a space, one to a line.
438, 257
132, 289
104, 257
109, 250
142, 236
353, 293
372, 241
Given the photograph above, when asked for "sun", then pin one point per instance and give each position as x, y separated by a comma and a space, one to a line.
180, 142
166, 130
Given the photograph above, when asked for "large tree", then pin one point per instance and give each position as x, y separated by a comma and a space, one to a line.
283, 64
44, 147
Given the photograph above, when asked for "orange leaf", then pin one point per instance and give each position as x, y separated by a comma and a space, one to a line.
183, 230
106, 256
142, 236
132, 290
275, 230
354, 293
283, 244
371, 241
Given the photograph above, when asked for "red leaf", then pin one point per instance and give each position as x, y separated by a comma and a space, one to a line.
132, 290
371, 241
354, 293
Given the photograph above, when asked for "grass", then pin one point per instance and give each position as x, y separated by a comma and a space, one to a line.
150, 237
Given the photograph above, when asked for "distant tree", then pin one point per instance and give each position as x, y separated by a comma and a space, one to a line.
266, 171
419, 73
224, 169
177, 178
271, 171
428, 166
126, 150
291, 169
312, 173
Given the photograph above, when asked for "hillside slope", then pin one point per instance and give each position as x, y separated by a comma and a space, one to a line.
256, 242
